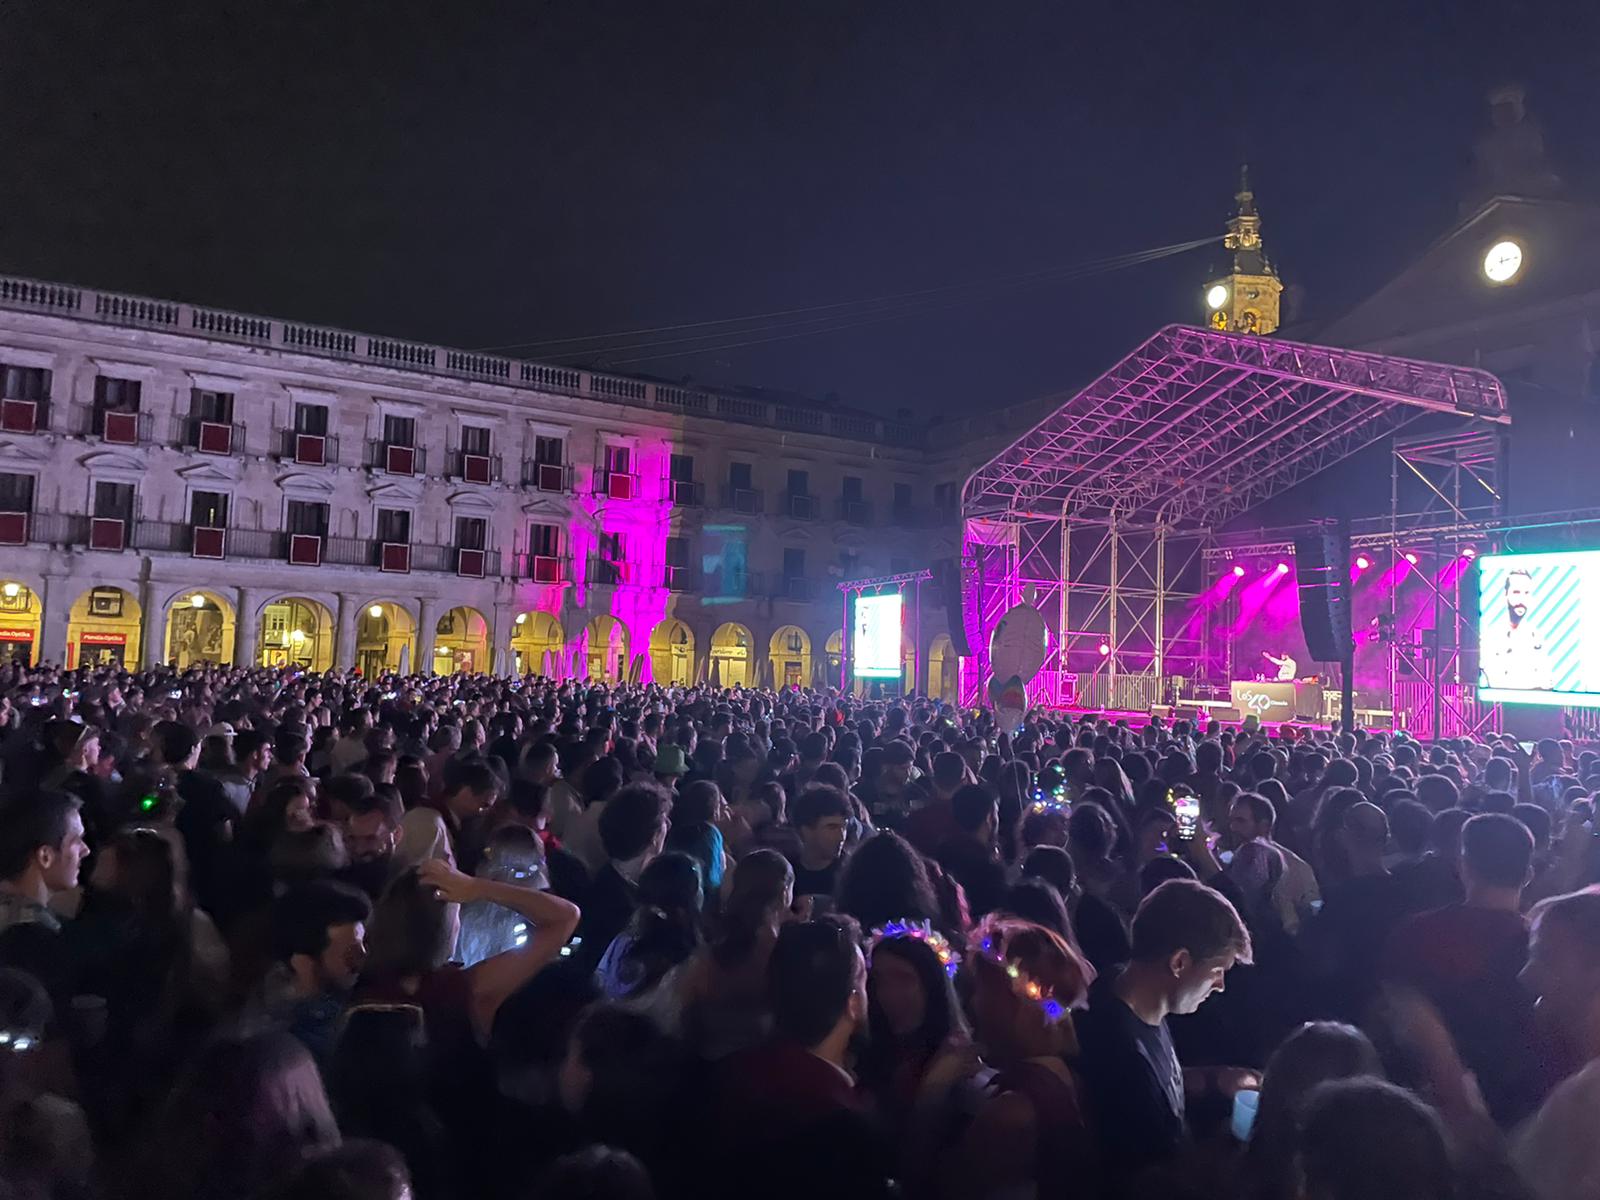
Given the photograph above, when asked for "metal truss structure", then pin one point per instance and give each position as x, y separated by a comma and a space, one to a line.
1103, 514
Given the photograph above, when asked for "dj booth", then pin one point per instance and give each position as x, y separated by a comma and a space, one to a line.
1272, 701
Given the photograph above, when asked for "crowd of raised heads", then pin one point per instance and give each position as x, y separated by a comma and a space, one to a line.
274, 934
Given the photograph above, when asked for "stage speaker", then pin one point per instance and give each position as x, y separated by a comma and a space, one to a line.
1322, 566
947, 579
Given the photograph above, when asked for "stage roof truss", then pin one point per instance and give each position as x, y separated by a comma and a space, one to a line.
1196, 427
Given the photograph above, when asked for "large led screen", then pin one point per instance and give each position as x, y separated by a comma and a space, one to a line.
875, 648
1539, 628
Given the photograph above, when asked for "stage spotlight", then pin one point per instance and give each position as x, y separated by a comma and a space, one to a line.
1469, 552
1238, 572
1362, 562
1105, 649
1411, 558
1283, 568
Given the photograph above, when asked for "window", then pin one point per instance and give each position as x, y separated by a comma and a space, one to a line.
944, 497
472, 533
902, 500
216, 407
681, 468
114, 500
24, 383
394, 525
307, 517
551, 451
475, 439
609, 565
677, 552
799, 483
399, 431
113, 396
544, 541
16, 493
619, 460
852, 489
311, 419
209, 510
794, 563
740, 476
611, 547
849, 561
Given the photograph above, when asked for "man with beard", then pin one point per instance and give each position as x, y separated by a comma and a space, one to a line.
1516, 658
371, 827
319, 942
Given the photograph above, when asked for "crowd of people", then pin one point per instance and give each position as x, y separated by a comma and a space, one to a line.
274, 934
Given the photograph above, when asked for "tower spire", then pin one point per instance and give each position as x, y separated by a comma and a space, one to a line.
1246, 299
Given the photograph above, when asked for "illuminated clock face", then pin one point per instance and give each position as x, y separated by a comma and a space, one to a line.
1502, 262
1216, 295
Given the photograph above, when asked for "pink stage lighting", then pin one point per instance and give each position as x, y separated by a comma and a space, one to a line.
1362, 562
1283, 568
1105, 649
1411, 558
1238, 572
1469, 552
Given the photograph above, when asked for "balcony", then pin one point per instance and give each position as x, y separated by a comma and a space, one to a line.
800, 506
855, 512
608, 571
676, 578
794, 587
24, 416
542, 568
546, 476
743, 500
208, 437
617, 485
308, 449
177, 537
474, 468
686, 493
456, 560
113, 428
394, 460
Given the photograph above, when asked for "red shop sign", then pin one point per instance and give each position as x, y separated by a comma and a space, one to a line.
103, 639
16, 635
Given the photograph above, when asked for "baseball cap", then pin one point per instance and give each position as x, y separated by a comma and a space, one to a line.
220, 729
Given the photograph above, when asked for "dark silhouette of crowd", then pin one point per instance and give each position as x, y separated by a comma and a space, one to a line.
274, 934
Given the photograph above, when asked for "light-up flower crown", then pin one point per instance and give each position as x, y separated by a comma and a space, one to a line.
1022, 983
923, 932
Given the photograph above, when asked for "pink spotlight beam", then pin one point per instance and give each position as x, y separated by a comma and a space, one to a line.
1238, 572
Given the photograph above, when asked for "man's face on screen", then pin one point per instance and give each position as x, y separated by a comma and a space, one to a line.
1519, 593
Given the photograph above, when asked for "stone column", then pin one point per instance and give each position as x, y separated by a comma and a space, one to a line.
55, 603
500, 627
344, 642
246, 628
427, 628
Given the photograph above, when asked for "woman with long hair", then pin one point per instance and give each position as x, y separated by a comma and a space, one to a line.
886, 880
663, 932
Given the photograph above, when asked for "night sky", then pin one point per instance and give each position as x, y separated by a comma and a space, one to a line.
479, 173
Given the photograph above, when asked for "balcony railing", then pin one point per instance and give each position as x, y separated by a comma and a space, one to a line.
800, 506
474, 468
743, 500
607, 571
793, 587
542, 568
308, 449
116, 428
43, 528
545, 476
208, 437
679, 578
855, 512
616, 485
293, 337
394, 460
686, 493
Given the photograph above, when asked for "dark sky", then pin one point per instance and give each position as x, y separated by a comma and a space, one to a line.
479, 173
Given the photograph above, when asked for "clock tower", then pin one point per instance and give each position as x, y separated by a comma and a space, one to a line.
1246, 299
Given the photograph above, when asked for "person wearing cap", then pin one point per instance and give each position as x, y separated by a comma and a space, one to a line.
671, 766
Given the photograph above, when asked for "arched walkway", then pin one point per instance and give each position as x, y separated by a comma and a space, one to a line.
732, 663
20, 617
606, 650
537, 641
790, 655
461, 643
296, 632
385, 639
103, 628
199, 630
942, 668
672, 653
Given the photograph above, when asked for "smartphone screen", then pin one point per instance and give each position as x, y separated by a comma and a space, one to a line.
1187, 809
1246, 1103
